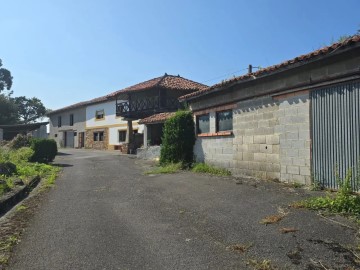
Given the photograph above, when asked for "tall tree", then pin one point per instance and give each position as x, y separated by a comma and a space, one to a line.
5, 78
29, 109
8, 110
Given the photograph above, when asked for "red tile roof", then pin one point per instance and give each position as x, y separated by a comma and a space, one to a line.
167, 81
302, 59
157, 118
79, 105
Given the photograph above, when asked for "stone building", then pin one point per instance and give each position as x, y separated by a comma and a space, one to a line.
297, 121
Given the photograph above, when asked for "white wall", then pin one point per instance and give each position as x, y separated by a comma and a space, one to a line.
111, 121
110, 115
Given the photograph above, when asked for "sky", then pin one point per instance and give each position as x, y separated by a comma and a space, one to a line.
67, 51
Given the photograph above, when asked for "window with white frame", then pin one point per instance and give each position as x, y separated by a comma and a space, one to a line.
99, 136
100, 115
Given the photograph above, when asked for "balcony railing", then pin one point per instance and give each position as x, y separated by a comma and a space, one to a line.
146, 107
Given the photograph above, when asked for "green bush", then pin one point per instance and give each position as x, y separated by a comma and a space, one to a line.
178, 139
45, 150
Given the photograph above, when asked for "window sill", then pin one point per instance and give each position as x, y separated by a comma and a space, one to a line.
216, 134
101, 119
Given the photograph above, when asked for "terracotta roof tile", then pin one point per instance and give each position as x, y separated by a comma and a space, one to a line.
79, 105
265, 71
166, 81
157, 118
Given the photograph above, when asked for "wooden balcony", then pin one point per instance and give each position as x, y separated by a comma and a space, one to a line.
141, 108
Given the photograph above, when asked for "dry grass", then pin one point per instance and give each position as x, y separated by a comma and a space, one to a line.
288, 230
274, 218
261, 265
240, 248
271, 219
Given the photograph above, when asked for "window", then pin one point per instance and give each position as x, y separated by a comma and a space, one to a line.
203, 123
59, 121
224, 121
71, 119
122, 135
99, 115
99, 136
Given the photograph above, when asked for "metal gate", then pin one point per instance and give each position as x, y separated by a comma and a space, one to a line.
335, 113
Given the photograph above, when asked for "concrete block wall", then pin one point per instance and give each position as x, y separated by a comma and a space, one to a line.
217, 151
256, 145
295, 141
271, 139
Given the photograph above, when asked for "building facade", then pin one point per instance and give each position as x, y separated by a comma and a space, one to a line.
105, 130
67, 126
294, 122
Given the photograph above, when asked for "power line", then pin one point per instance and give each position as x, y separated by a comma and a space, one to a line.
224, 75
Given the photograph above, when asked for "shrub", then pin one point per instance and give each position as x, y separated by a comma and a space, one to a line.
178, 139
45, 150
7, 168
21, 155
20, 141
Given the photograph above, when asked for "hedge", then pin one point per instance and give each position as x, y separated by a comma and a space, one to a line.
178, 139
45, 150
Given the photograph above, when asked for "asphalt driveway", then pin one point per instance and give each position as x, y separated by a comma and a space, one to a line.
104, 213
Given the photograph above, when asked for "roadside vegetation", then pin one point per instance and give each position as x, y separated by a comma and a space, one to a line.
24, 158
206, 168
177, 148
345, 201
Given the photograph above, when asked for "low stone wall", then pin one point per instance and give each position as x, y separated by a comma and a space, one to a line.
151, 152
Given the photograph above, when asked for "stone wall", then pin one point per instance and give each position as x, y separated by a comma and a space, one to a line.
150, 152
99, 145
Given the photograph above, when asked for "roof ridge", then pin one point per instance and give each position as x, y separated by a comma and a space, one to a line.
326, 50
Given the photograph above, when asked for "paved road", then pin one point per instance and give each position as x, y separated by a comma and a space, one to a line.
104, 213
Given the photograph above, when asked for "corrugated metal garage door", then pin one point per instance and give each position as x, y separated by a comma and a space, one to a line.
335, 132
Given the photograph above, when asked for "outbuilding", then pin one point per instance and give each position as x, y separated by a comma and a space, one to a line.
297, 121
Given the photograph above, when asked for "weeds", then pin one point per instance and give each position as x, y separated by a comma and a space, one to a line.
261, 265
25, 170
21, 207
205, 168
6, 246
345, 201
240, 248
169, 168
